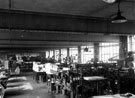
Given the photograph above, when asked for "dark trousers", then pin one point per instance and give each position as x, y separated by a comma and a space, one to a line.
38, 74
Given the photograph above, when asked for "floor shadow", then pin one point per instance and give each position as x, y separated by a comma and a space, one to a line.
13, 93
14, 85
15, 80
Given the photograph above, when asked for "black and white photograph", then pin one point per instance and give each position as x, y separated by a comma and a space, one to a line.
67, 48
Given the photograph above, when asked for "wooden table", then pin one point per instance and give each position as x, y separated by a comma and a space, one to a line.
113, 96
95, 79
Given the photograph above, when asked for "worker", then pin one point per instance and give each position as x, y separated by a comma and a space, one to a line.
19, 61
129, 60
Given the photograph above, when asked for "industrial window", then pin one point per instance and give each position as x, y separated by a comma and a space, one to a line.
87, 56
51, 53
57, 54
108, 52
131, 43
47, 54
73, 53
63, 54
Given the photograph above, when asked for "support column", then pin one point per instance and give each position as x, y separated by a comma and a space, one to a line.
49, 53
79, 54
54, 54
59, 55
123, 46
123, 49
45, 53
96, 52
42, 54
130, 43
67, 52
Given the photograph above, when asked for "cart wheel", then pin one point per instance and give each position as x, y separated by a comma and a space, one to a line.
2, 91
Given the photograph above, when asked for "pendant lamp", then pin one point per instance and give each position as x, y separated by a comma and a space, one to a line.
109, 1
119, 18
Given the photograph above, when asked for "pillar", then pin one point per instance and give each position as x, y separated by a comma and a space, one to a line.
45, 54
79, 54
42, 54
59, 55
53, 54
123, 46
67, 52
96, 52
123, 49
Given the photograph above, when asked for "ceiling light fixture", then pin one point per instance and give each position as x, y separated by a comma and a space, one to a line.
119, 18
109, 1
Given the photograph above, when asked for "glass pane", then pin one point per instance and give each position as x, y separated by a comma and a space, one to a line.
73, 53
87, 56
57, 53
47, 54
107, 51
63, 54
51, 54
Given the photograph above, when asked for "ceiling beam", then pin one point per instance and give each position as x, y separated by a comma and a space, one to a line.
24, 20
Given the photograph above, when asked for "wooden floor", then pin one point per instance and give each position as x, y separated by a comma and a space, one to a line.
25, 87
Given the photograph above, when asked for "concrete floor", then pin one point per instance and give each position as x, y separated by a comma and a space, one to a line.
25, 87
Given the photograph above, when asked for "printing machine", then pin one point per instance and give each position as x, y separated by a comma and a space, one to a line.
3, 81
102, 79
